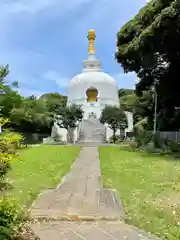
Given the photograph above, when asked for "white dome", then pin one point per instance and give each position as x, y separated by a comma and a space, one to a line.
104, 83
93, 78
93, 89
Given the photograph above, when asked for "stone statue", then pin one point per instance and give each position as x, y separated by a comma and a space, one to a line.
55, 133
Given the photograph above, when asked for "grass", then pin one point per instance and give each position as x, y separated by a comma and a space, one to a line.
39, 168
149, 187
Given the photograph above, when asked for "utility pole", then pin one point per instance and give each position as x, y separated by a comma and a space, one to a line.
155, 110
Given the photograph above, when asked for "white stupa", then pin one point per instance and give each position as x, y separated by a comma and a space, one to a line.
92, 89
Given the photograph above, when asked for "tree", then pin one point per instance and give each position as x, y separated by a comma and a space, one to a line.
149, 45
114, 118
141, 106
123, 123
9, 98
124, 92
31, 117
54, 101
69, 116
127, 98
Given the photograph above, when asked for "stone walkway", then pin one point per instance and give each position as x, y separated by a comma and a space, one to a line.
80, 208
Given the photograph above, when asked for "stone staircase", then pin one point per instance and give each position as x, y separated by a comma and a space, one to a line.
92, 132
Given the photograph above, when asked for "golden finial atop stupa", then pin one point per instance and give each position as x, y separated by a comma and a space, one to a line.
91, 38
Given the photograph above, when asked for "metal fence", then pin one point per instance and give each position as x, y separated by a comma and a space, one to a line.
172, 136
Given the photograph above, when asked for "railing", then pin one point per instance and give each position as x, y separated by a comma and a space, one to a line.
172, 136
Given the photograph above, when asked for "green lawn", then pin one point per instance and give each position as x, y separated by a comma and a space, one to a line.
149, 187
40, 168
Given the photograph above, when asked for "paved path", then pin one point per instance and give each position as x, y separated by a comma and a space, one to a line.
80, 208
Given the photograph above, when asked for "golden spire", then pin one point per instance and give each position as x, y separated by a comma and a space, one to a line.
91, 38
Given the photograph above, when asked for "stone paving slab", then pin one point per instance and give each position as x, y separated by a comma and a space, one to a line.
89, 230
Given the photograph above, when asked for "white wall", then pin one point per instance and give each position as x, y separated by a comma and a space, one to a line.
129, 117
62, 132
109, 132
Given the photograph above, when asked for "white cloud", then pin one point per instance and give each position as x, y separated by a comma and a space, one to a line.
126, 80
105, 16
54, 76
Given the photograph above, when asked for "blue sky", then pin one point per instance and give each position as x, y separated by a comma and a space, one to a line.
45, 41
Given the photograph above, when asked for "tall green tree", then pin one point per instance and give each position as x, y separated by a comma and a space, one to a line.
31, 117
69, 116
115, 119
127, 98
123, 123
9, 98
25, 114
54, 101
149, 45
141, 106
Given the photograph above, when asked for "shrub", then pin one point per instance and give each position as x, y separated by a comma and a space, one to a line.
174, 146
4, 164
158, 141
10, 218
133, 145
9, 143
143, 138
118, 139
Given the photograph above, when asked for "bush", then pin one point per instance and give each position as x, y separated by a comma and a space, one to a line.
4, 164
133, 145
9, 142
10, 218
143, 138
158, 141
118, 139
174, 146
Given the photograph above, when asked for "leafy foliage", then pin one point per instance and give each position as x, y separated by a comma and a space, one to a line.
115, 119
9, 209
27, 114
54, 100
68, 117
123, 123
3, 121
10, 218
142, 137
149, 45
8, 146
141, 106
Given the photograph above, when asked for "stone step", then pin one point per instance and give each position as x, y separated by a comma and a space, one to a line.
101, 230
90, 144
91, 131
63, 205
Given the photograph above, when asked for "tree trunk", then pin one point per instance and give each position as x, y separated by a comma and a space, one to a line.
122, 133
114, 135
